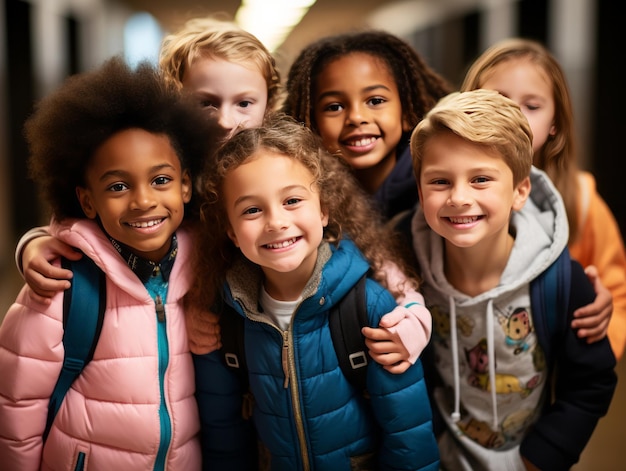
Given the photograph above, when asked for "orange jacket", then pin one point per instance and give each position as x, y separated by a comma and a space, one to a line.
600, 243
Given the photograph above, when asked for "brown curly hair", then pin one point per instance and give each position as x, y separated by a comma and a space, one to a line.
69, 125
351, 211
418, 85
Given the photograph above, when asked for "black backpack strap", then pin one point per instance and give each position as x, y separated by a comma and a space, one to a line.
345, 320
84, 304
232, 337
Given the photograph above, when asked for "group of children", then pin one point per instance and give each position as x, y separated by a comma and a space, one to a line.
284, 219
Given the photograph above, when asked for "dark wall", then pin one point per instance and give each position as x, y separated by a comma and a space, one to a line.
609, 125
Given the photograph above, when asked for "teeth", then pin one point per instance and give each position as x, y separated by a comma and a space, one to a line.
145, 223
365, 141
281, 245
464, 220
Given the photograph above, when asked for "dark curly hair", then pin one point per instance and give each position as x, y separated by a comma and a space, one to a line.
351, 211
70, 124
418, 85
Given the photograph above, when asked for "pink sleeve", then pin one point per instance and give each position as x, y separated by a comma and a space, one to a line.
411, 320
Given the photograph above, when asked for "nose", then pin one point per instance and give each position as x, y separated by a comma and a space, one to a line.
276, 220
143, 198
357, 114
459, 196
226, 119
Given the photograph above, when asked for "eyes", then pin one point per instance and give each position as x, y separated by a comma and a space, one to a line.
290, 203
214, 105
119, 187
337, 106
476, 181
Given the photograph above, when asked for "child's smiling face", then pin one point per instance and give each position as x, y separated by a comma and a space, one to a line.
275, 216
136, 187
358, 111
467, 192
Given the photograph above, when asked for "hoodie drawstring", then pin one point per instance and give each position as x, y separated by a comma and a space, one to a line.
456, 415
491, 356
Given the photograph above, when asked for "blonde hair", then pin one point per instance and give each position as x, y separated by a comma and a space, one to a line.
557, 157
213, 38
482, 117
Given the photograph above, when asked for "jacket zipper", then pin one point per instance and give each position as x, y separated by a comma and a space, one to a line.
289, 370
291, 375
164, 417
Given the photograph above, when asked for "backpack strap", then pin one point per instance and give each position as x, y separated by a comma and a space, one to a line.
345, 320
83, 312
549, 299
232, 331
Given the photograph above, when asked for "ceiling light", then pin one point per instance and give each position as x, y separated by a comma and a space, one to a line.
271, 20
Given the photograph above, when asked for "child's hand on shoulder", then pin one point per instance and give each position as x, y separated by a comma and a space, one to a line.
592, 321
203, 330
387, 349
45, 279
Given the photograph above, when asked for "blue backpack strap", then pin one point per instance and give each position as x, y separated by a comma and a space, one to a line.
83, 312
549, 299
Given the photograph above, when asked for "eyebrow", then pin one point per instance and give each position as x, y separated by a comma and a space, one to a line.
370, 88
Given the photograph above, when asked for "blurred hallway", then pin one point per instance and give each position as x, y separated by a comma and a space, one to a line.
446, 43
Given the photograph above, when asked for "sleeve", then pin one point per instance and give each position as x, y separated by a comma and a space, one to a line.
228, 440
401, 407
601, 244
23, 242
583, 388
31, 355
413, 321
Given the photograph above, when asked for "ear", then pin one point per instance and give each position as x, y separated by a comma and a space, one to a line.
522, 192
232, 236
85, 200
552, 130
406, 126
325, 217
187, 187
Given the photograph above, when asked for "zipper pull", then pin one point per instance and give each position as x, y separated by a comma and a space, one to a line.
285, 358
160, 308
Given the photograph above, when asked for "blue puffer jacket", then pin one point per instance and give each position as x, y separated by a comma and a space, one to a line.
306, 413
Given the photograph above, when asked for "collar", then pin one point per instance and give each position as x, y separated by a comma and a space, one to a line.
143, 268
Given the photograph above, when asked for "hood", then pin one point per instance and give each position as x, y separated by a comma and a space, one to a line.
336, 271
541, 232
87, 236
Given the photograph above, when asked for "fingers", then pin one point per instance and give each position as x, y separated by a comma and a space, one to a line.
595, 332
393, 318
43, 287
377, 334
592, 321
398, 368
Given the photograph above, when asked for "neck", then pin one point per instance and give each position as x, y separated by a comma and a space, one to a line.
372, 178
475, 270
